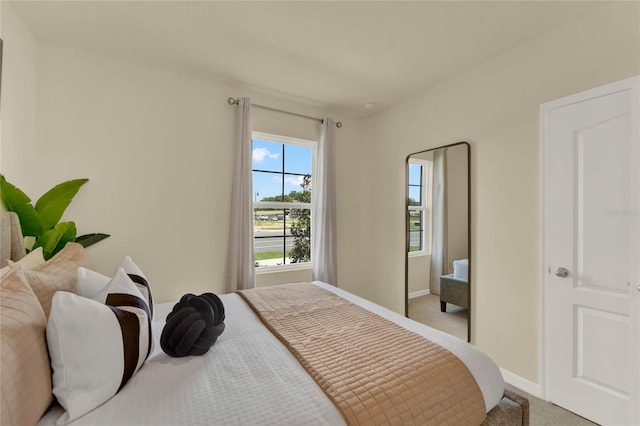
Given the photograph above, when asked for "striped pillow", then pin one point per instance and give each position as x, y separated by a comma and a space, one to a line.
94, 285
96, 348
90, 283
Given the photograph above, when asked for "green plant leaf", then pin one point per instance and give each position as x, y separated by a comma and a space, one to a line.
15, 200
53, 203
68, 234
54, 240
48, 241
90, 239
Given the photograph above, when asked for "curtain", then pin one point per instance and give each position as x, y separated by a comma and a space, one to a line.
439, 220
240, 265
324, 227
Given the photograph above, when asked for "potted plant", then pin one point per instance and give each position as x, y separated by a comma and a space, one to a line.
41, 224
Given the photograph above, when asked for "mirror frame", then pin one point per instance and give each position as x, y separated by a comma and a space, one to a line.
406, 230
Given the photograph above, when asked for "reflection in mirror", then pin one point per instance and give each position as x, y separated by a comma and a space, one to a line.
437, 286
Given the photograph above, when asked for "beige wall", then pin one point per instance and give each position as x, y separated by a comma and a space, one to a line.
495, 107
18, 100
419, 272
157, 148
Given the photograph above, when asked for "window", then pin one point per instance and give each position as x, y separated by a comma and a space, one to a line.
282, 207
418, 214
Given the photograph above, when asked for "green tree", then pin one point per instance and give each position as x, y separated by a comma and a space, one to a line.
286, 198
301, 224
303, 196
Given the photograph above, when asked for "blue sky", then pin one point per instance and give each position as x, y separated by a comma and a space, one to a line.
414, 179
268, 156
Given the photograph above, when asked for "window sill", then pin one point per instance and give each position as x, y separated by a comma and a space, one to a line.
283, 268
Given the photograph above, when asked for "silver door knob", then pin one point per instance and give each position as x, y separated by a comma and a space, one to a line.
562, 272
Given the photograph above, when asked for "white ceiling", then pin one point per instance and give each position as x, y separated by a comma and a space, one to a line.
336, 54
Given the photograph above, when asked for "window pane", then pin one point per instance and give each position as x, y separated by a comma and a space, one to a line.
269, 230
266, 156
299, 244
416, 231
415, 240
415, 195
415, 174
297, 188
281, 236
297, 159
267, 186
415, 220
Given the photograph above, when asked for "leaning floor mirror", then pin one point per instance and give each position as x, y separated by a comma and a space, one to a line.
438, 239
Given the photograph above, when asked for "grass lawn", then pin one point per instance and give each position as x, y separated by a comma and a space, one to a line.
267, 255
268, 225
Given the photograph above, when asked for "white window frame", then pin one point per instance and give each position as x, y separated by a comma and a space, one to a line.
427, 179
280, 139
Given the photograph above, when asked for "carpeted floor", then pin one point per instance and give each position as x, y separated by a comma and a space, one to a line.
426, 310
543, 413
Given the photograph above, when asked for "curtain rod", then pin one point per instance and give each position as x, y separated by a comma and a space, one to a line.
234, 101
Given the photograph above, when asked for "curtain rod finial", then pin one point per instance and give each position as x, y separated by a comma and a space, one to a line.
232, 101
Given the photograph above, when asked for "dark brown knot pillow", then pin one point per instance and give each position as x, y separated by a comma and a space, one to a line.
193, 326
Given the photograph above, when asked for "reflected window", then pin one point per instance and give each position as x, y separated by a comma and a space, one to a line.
418, 212
282, 207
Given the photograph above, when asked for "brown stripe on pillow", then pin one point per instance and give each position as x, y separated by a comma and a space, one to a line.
143, 286
122, 299
130, 328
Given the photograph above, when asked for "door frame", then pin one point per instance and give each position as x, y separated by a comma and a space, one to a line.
632, 83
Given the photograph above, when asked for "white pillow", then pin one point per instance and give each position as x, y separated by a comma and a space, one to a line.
91, 283
32, 260
96, 348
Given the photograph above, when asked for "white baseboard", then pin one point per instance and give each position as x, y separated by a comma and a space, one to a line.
418, 293
521, 383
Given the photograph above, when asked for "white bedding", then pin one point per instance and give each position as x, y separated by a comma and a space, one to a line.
249, 378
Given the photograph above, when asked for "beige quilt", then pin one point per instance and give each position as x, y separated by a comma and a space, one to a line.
373, 370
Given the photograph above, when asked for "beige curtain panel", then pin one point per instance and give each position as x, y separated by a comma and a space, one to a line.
240, 266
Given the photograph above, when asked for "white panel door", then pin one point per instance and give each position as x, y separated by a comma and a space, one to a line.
592, 260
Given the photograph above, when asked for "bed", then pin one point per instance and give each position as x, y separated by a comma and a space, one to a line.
251, 377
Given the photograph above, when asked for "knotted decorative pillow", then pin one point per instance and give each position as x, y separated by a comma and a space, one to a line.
193, 326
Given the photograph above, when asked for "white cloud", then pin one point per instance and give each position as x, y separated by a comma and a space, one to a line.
292, 180
259, 154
